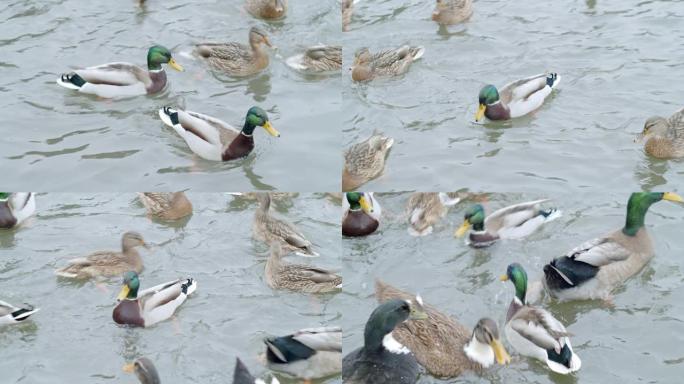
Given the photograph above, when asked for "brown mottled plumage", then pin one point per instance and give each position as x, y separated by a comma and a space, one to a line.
364, 161
392, 62
108, 263
318, 59
664, 137
449, 12
270, 229
237, 59
425, 209
166, 205
298, 277
267, 9
438, 341
347, 11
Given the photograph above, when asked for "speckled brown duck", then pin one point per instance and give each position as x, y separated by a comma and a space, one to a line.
267, 9
365, 161
664, 138
270, 229
236, 59
448, 12
388, 63
166, 205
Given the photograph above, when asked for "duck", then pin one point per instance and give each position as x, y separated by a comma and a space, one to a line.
307, 354
448, 12
241, 375
15, 208
347, 12
388, 63
382, 359
120, 79
516, 99
664, 138
512, 222
360, 216
152, 305
166, 205
534, 332
213, 139
425, 209
267, 9
9, 314
318, 59
595, 268
365, 161
144, 370
107, 263
441, 344
270, 229
236, 59
298, 277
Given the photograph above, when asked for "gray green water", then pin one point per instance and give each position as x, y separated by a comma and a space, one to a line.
66, 141
74, 340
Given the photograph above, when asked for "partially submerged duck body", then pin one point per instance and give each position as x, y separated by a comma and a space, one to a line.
664, 138
365, 161
307, 354
213, 139
388, 63
319, 59
166, 205
449, 12
425, 209
515, 99
236, 59
267, 9
443, 346
272, 230
121, 79
596, 268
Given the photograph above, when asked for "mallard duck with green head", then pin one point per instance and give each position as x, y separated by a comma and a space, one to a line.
15, 208
9, 314
166, 205
425, 209
382, 359
594, 269
365, 161
319, 59
362, 214
517, 98
387, 63
107, 263
270, 229
442, 345
534, 332
144, 370
664, 138
213, 139
307, 354
236, 59
298, 277
152, 305
512, 222
449, 12
123, 79
241, 375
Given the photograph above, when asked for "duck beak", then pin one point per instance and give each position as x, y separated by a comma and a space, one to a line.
480, 112
365, 205
129, 368
500, 352
123, 293
172, 63
463, 228
267, 42
669, 196
503, 277
417, 313
269, 128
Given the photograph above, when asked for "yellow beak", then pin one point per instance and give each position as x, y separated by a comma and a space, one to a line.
271, 131
503, 277
172, 63
365, 205
463, 229
417, 314
129, 368
124, 293
480, 112
500, 352
669, 196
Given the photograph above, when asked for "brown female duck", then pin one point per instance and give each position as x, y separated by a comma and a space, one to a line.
237, 59
166, 205
270, 230
392, 62
267, 9
298, 277
365, 161
449, 12
664, 137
